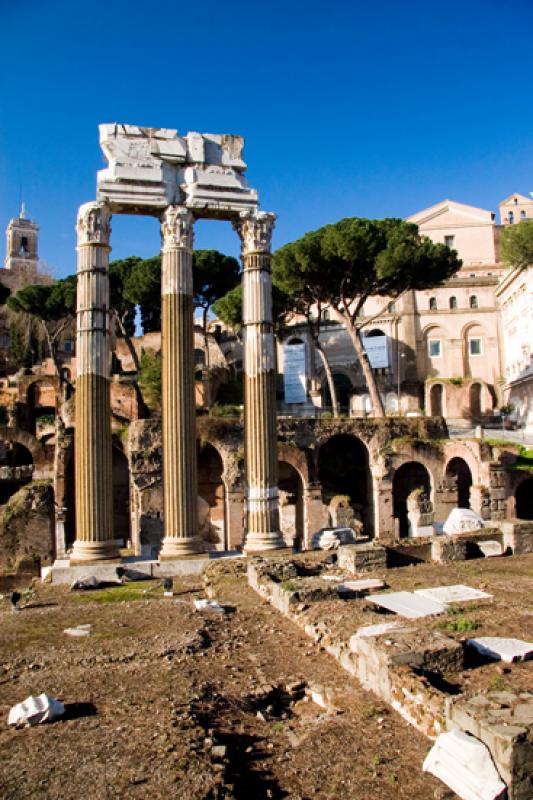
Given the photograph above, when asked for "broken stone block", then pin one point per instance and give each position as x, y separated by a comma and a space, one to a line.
357, 558
502, 649
407, 604
465, 765
35, 710
462, 520
458, 593
503, 721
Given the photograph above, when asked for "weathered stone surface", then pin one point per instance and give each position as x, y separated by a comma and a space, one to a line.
407, 604
358, 558
26, 525
453, 594
465, 765
462, 520
504, 722
501, 648
151, 168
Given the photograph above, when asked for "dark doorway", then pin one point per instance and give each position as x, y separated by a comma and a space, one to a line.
435, 400
212, 492
291, 505
407, 478
458, 471
524, 499
121, 495
475, 400
343, 469
344, 390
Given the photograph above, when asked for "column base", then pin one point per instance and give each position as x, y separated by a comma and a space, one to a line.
259, 542
87, 552
180, 547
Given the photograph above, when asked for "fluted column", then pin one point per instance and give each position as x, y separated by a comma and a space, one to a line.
94, 488
261, 452
178, 397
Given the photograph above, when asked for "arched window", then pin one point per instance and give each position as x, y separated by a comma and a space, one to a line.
432, 303
511, 217
522, 214
473, 301
325, 315
453, 302
392, 308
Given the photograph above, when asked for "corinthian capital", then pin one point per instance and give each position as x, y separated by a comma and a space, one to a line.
177, 228
255, 229
93, 224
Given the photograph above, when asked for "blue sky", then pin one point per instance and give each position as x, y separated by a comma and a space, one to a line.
348, 108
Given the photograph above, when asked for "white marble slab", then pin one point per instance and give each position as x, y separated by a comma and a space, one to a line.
459, 593
491, 547
464, 764
407, 604
360, 585
376, 630
503, 649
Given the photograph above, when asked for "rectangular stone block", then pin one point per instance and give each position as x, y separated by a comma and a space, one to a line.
504, 722
357, 558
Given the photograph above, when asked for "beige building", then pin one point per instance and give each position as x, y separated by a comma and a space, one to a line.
515, 296
438, 351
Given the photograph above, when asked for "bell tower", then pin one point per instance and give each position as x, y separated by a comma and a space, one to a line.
22, 237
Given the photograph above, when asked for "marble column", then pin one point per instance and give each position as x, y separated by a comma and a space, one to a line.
260, 439
178, 390
92, 444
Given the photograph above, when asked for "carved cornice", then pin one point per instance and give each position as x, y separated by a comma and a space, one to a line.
94, 223
177, 228
255, 230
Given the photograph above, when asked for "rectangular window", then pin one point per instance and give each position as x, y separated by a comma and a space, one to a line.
449, 241
67, 347
474, 347
434, 348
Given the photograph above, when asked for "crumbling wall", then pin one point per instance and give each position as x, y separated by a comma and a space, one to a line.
27, 526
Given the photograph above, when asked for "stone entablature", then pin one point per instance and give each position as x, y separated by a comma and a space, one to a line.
152, 168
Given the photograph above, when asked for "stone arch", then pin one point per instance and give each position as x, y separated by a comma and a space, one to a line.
40, 394
461, 450
344, 469
291, 506
409, 476
212, 491
524, 499
27, 440
458, 472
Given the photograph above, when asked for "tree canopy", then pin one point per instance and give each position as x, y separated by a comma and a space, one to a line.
517, 244
345, 264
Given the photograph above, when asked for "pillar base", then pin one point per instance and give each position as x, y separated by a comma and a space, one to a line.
180, 547
87, 552
259, 542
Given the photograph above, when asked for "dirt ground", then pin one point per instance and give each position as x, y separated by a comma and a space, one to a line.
163, 701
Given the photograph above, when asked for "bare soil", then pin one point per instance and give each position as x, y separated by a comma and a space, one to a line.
157, 690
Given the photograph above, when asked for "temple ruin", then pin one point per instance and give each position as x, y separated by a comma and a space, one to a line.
155, 171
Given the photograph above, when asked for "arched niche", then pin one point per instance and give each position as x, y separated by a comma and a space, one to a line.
458, 471
410, 476
291, 505
436, 400
524, 499
344, 469
212, 493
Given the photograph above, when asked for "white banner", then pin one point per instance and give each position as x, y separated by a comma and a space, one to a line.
294, 377
377, 350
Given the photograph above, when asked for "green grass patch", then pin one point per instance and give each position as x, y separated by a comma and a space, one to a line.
143, 590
